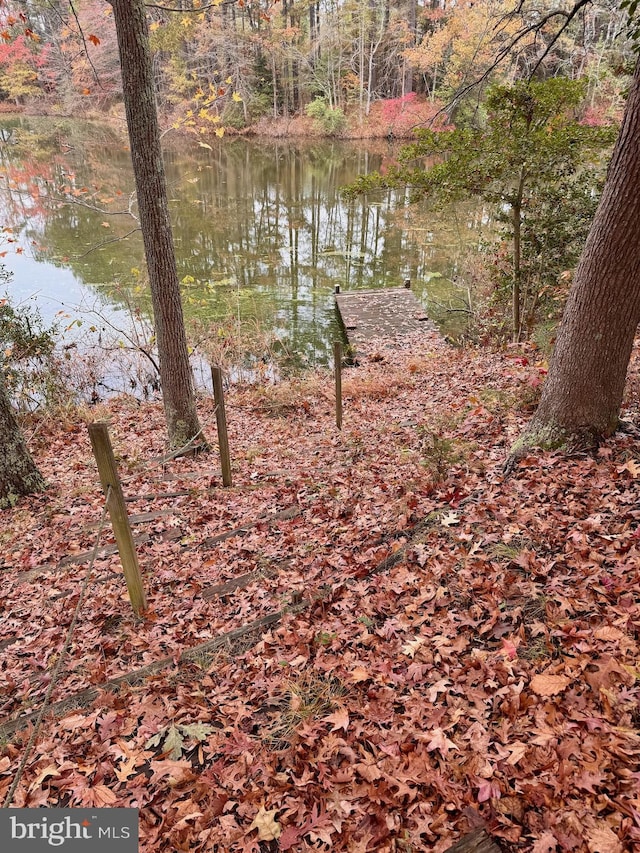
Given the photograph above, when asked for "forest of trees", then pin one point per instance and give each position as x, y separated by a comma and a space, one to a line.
229, 64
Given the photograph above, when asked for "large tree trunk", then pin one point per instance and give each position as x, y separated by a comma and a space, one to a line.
582, 396
142, 120
18, 472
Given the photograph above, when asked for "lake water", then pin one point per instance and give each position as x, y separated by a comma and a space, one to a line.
262, 233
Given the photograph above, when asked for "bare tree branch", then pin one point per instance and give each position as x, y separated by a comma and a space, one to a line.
106, 243
506, 50
99, 210
86, 49
570, 16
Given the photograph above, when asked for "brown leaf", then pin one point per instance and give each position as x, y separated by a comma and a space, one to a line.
608, 633
603, 672
602, 839
49, 770
340, 719
265, 822
440, 741
370, 772
547, 843
545, 684
359, 673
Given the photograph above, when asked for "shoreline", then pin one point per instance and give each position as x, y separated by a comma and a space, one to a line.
378, 125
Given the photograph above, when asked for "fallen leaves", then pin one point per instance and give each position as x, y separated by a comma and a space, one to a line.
268, 827
602, 839
469, 644
548, 684
173, 737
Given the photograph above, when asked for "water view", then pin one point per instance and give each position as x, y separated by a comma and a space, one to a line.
262, 233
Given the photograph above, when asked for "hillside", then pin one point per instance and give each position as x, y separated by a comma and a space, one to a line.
373, 641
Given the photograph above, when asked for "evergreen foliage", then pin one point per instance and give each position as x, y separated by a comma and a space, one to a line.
534, 163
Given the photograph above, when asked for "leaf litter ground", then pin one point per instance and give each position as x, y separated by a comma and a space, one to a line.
450, 648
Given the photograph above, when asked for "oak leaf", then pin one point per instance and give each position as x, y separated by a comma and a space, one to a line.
440, 741
603, 672
340, 719
265, 822
409, 649
359, 673
602, 839
49, 770
290, 837
546, 684
369, 772
518, 751
545, 844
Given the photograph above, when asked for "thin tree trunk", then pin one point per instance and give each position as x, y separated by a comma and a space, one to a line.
18, 472
151, 187
583, 393
517, 259
412, 19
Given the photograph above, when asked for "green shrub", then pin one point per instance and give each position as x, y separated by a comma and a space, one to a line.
233, 115
259, 105
331, 120
27, 348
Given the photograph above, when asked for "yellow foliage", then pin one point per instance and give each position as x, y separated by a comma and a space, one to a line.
464, 41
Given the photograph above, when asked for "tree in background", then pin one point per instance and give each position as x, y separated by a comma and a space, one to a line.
151, 187
19, 67
281, 56
530, 162
89, 52
458, 44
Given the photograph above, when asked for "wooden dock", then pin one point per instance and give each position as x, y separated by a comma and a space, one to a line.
386, 313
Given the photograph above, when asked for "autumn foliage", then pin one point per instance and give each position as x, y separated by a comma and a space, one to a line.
446, 648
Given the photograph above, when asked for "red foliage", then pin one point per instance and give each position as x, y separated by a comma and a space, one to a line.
595, 118
392, 107
20, 49
400, 116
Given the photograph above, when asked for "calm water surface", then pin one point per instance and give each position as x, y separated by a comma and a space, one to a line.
262, 234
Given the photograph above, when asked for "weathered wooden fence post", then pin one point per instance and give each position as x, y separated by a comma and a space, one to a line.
103, 452
221, 421
337, 360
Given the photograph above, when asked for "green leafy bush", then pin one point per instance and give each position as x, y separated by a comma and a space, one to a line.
331, 120
27, 350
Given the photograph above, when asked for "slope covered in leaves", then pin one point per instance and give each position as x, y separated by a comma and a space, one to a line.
449, 648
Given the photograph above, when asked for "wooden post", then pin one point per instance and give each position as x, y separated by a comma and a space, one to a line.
337, 359
103, 452
221, 421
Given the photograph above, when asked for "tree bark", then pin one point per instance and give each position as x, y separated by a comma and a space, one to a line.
151, 187
582, 396
18, 472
